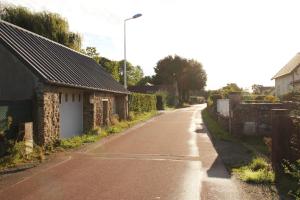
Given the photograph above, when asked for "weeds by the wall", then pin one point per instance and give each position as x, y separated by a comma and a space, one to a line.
214, 128
292, 169
257, 171
17, 155
98, 133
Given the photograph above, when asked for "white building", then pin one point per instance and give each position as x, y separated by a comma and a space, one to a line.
288, 78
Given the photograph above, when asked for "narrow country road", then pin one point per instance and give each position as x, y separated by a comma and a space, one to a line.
169, 157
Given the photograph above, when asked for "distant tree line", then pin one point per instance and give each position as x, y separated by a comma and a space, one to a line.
187, 74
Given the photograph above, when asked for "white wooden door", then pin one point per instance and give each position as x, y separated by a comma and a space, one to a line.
71, 114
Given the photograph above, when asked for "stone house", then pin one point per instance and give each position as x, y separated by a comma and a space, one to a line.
68, 92
288, 78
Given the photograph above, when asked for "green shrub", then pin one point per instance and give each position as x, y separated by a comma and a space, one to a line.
293, 170
258, 163
257, 171
77, 141
17, 154
140, 103
270, 98
259, 98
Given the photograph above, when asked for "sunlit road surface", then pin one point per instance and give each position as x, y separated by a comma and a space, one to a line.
169, 157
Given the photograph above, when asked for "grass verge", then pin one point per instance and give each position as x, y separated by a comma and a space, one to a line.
99, 133
246, 157
257, 171
17, 155
214, 128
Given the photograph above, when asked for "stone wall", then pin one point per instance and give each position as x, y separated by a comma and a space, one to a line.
93, 109
252, 118
46, 115
285, 137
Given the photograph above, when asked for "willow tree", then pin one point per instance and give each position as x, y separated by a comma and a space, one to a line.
47, 24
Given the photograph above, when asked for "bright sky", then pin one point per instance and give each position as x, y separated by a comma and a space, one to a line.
241, 41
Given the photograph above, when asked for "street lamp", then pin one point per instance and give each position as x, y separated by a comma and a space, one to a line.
124, 68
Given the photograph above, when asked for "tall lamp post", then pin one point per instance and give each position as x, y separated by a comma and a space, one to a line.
124, 67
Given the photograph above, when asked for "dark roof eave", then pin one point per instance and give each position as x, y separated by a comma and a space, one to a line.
84, 87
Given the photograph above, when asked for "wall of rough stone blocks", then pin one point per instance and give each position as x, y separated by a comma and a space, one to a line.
252, 118
93, 109
46, 115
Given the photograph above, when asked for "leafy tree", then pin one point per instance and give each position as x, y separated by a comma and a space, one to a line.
134, 73
256, 88
145, 80
49, 25
188, 74
112, 67
91, 52
230, 87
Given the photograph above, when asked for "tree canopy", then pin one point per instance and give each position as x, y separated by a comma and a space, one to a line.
49, 25
115, 68
188, 74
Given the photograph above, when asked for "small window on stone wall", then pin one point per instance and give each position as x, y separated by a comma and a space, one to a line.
59, 97
73, 97
66, 97
79, 97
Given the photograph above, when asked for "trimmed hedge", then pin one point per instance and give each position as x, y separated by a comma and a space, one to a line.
140, 103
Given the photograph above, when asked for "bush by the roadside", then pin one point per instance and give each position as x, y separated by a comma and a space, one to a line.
257, 171
17, 154
293, 171
161, 101
140, 103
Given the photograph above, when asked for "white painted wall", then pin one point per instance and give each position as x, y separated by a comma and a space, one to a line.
282, 85
223, 107
71, 114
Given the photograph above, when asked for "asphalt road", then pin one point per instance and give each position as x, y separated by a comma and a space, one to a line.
169, 157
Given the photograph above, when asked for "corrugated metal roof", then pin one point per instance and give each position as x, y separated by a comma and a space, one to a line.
55, 63
289, 67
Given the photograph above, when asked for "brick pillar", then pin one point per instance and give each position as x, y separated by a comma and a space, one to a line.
281, 127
